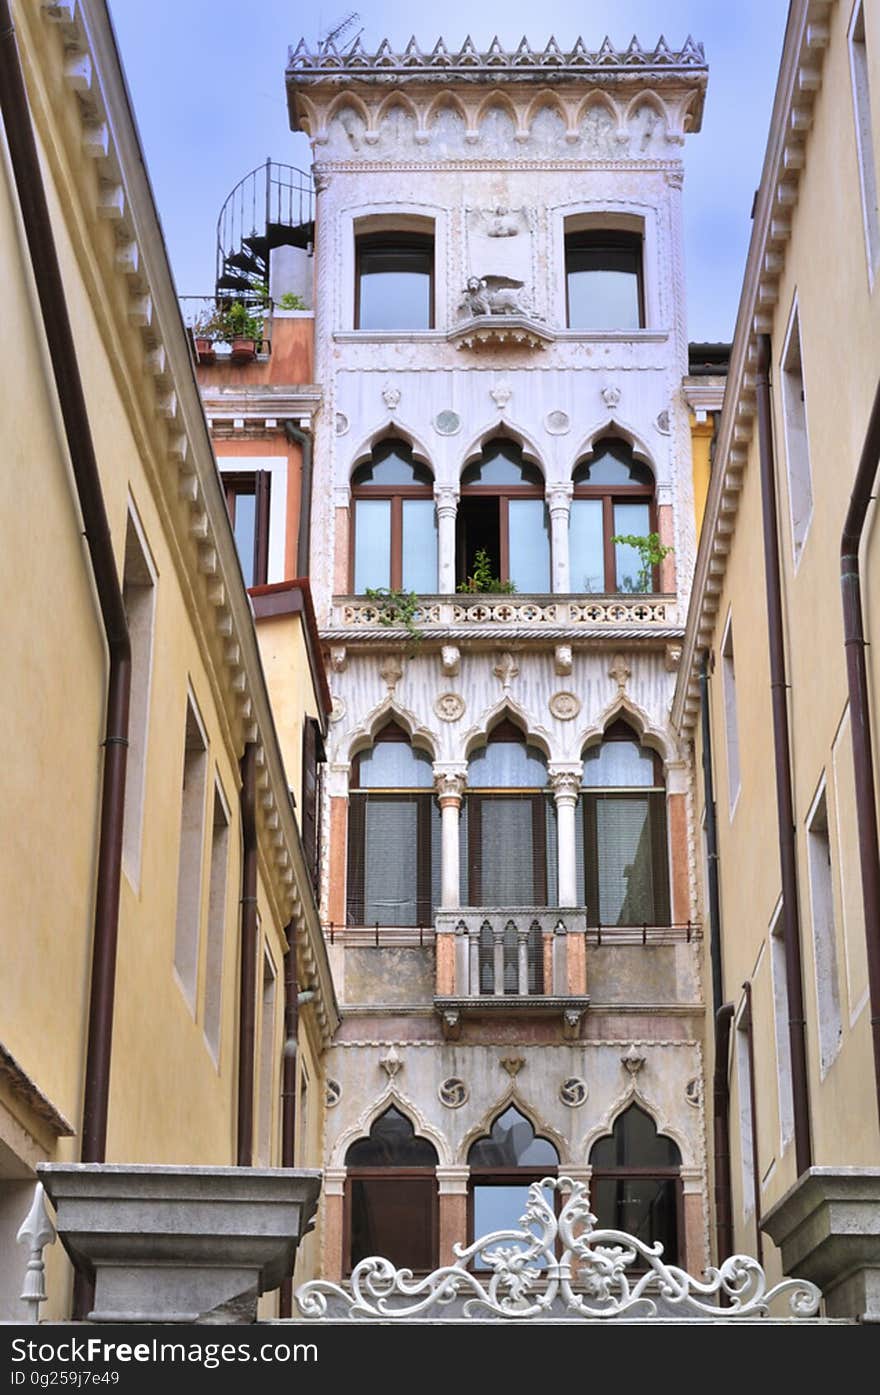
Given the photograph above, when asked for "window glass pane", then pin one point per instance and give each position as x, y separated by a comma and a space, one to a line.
507, 765
507, 876
500, 1208
392, 1143
512, 1142
395, 765
372, 544
644, 1207
394, 290
618, 763
391, 467
603, 300
613, 464
631, 519
586, 547
245, 528
529, 544
635, 1142
391, 862
502, 463
419, 546
394, 1217
625, 865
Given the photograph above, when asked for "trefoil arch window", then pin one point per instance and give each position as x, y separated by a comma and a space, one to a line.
394, 537
636, 1182
391, 1195
508, 830
623, 827
613, 497
502, 512
393, 834
503, 1164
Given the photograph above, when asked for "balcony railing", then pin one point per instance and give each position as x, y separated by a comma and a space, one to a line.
513, 959
547, 615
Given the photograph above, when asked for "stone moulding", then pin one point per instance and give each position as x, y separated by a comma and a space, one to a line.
180, 1244
500, 331
596, 1274
525, 612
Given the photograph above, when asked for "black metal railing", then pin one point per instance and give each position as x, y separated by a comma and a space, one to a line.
272, 206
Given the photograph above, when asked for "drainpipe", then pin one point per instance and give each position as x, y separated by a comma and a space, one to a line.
248, 980
304, 440
711, 841
860, 714
288, 1085
721, 1131
753, 1105
65, 369
782, 751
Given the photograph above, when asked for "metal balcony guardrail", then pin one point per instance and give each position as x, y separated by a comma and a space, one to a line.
218, 325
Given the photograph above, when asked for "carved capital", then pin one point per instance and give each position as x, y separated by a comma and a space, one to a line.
450, 782
559, 498
565, 781
446, 501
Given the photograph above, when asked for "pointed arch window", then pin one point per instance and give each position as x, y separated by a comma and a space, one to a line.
508, 827
503, 1165
623, 812
613, 497
636, 1182
394, 533
502, 512
393, 834
391, 1195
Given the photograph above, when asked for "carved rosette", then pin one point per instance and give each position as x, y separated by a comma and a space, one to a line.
564, 706
453, 1093
450, 707
573, 1092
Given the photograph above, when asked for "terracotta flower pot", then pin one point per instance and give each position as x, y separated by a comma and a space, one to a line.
243, 350
205, 349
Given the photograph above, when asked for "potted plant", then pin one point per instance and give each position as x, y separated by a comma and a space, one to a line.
203, 330
482, 579
244, 331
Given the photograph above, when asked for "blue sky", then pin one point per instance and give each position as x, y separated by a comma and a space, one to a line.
207, 82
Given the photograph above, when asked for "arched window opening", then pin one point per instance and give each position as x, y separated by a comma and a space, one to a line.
613, 497
503, 523
394, 533
393, 834
503, 1165
508, 825
636, 1182
391, 1195
623, 832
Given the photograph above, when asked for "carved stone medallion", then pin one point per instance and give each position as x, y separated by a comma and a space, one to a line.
332, 1093
447, 423
693, 1092
453, 1093
341, 423
573, 1092
557, 423
611, 395
390, 396
449, 707
565, 706
337, 711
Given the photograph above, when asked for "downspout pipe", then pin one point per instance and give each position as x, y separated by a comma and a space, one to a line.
711, 842
304, 440
782, 754
860, 714
288, 1083
87, 479
248, 974
721, 1133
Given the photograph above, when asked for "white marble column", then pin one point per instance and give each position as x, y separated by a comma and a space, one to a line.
559, 504
566, 783
446, 501
449, 782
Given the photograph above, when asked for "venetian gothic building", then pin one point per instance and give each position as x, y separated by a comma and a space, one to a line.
502, 538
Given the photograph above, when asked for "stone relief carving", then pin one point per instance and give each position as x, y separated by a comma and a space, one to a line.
332, 1093
504, 222
619, 670
453, 1092
449, 707
565, 706
447, 423
338, 657
341, 423
337, 710
501, 395
611, 395
557, 423
633, 1060
512, 1064
506, 669
493, 295
573, 1092
391, 396
391, 670
391, 1062
562, 660
450, 659
693, 1092
662, 423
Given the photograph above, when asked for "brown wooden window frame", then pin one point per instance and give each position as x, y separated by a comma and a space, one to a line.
404, 242
656, 796
258, 484
313, 757
503, 493
614, 241
611, 494
396, 494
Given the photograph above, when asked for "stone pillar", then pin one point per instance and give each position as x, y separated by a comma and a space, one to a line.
559, 504
566, 783
676, 825
449, 782
694, 1250
828, 1228
342, 582
447, 506
452, 1184
334, 1208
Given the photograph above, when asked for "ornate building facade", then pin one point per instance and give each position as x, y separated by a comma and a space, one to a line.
502, 541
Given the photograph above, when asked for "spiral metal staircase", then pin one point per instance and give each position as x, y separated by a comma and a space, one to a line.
272, 206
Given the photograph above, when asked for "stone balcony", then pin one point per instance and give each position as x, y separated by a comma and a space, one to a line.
511, 961
551, 617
